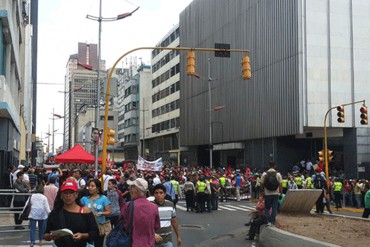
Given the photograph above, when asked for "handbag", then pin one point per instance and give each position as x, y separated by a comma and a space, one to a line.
26, 210
119, 237
104, 227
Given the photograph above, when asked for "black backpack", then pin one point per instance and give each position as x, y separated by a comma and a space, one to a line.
271, 182
319, 182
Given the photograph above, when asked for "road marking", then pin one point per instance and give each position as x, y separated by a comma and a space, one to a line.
180, 207
247, 207
239, 208
230, 209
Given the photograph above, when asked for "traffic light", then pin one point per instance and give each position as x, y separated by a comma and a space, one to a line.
191, 63
363, 115
110, 137
321, 155
246, 68
340, 114
330, 155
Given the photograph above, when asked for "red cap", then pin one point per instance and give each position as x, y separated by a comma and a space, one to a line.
69, 185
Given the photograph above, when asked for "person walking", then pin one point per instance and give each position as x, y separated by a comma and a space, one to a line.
71, 214
167, 215
100, 203
39, 213
145, 217
19, 200
238, 181
116, 200
271, 183
366, 212
50, 192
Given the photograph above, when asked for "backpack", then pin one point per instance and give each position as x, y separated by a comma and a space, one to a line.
271, 182
319, 182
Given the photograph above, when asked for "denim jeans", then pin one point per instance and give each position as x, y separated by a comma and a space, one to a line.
42, 226
271, 202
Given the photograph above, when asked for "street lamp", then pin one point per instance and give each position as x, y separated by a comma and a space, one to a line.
100, 19
54, 117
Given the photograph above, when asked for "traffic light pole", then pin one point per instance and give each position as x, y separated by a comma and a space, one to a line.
104, 151
210, 114
326, 137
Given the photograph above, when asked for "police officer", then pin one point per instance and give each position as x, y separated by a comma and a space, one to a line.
222, 180
284, 184
201, 195
337, 193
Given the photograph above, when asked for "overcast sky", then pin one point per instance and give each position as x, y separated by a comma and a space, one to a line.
63, 23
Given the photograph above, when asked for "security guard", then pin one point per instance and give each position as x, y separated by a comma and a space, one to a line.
298, 181
176, 186
223, 191
284, 184
337, 193
309, 184
201, 195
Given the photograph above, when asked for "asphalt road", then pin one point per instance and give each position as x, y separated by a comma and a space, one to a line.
224, 227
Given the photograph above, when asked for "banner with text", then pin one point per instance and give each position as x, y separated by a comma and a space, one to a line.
146, 165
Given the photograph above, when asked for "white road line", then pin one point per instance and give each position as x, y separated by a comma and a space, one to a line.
230, 209
239, 208
248, 207
180, 207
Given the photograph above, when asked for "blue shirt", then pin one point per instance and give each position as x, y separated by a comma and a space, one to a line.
238, 180
99, 205
170, 190
56, 175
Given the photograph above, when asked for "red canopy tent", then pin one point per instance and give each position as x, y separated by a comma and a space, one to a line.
77, 154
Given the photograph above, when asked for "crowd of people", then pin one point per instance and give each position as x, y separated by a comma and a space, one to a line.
76, 200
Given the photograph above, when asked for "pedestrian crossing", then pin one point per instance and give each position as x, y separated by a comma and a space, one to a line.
222, 207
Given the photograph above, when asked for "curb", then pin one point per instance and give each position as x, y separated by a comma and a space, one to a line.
274, 237
350, 210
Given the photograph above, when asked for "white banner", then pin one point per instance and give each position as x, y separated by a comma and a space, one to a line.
146, 165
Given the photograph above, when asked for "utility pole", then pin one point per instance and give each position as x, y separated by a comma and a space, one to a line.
52, 147
143, 149
97, 110
210, 114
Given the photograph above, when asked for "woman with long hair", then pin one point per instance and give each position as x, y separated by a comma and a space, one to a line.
39, 213
100, 203
69, 213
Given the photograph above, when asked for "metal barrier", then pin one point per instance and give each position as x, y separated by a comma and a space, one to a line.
10, 210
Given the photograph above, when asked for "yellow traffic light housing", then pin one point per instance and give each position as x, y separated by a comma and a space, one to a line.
191, 63
110, 136
246, 68
321, 155
364, 119
330, 155
340, 114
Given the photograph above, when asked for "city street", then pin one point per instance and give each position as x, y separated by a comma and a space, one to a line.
224, 227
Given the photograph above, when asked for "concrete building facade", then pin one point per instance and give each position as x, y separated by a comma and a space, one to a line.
306, 57
80, 88
16, 84
163, 106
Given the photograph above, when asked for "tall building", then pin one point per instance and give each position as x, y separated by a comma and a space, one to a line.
306, 57
135, 91
80, 89
16, 84
162, 139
